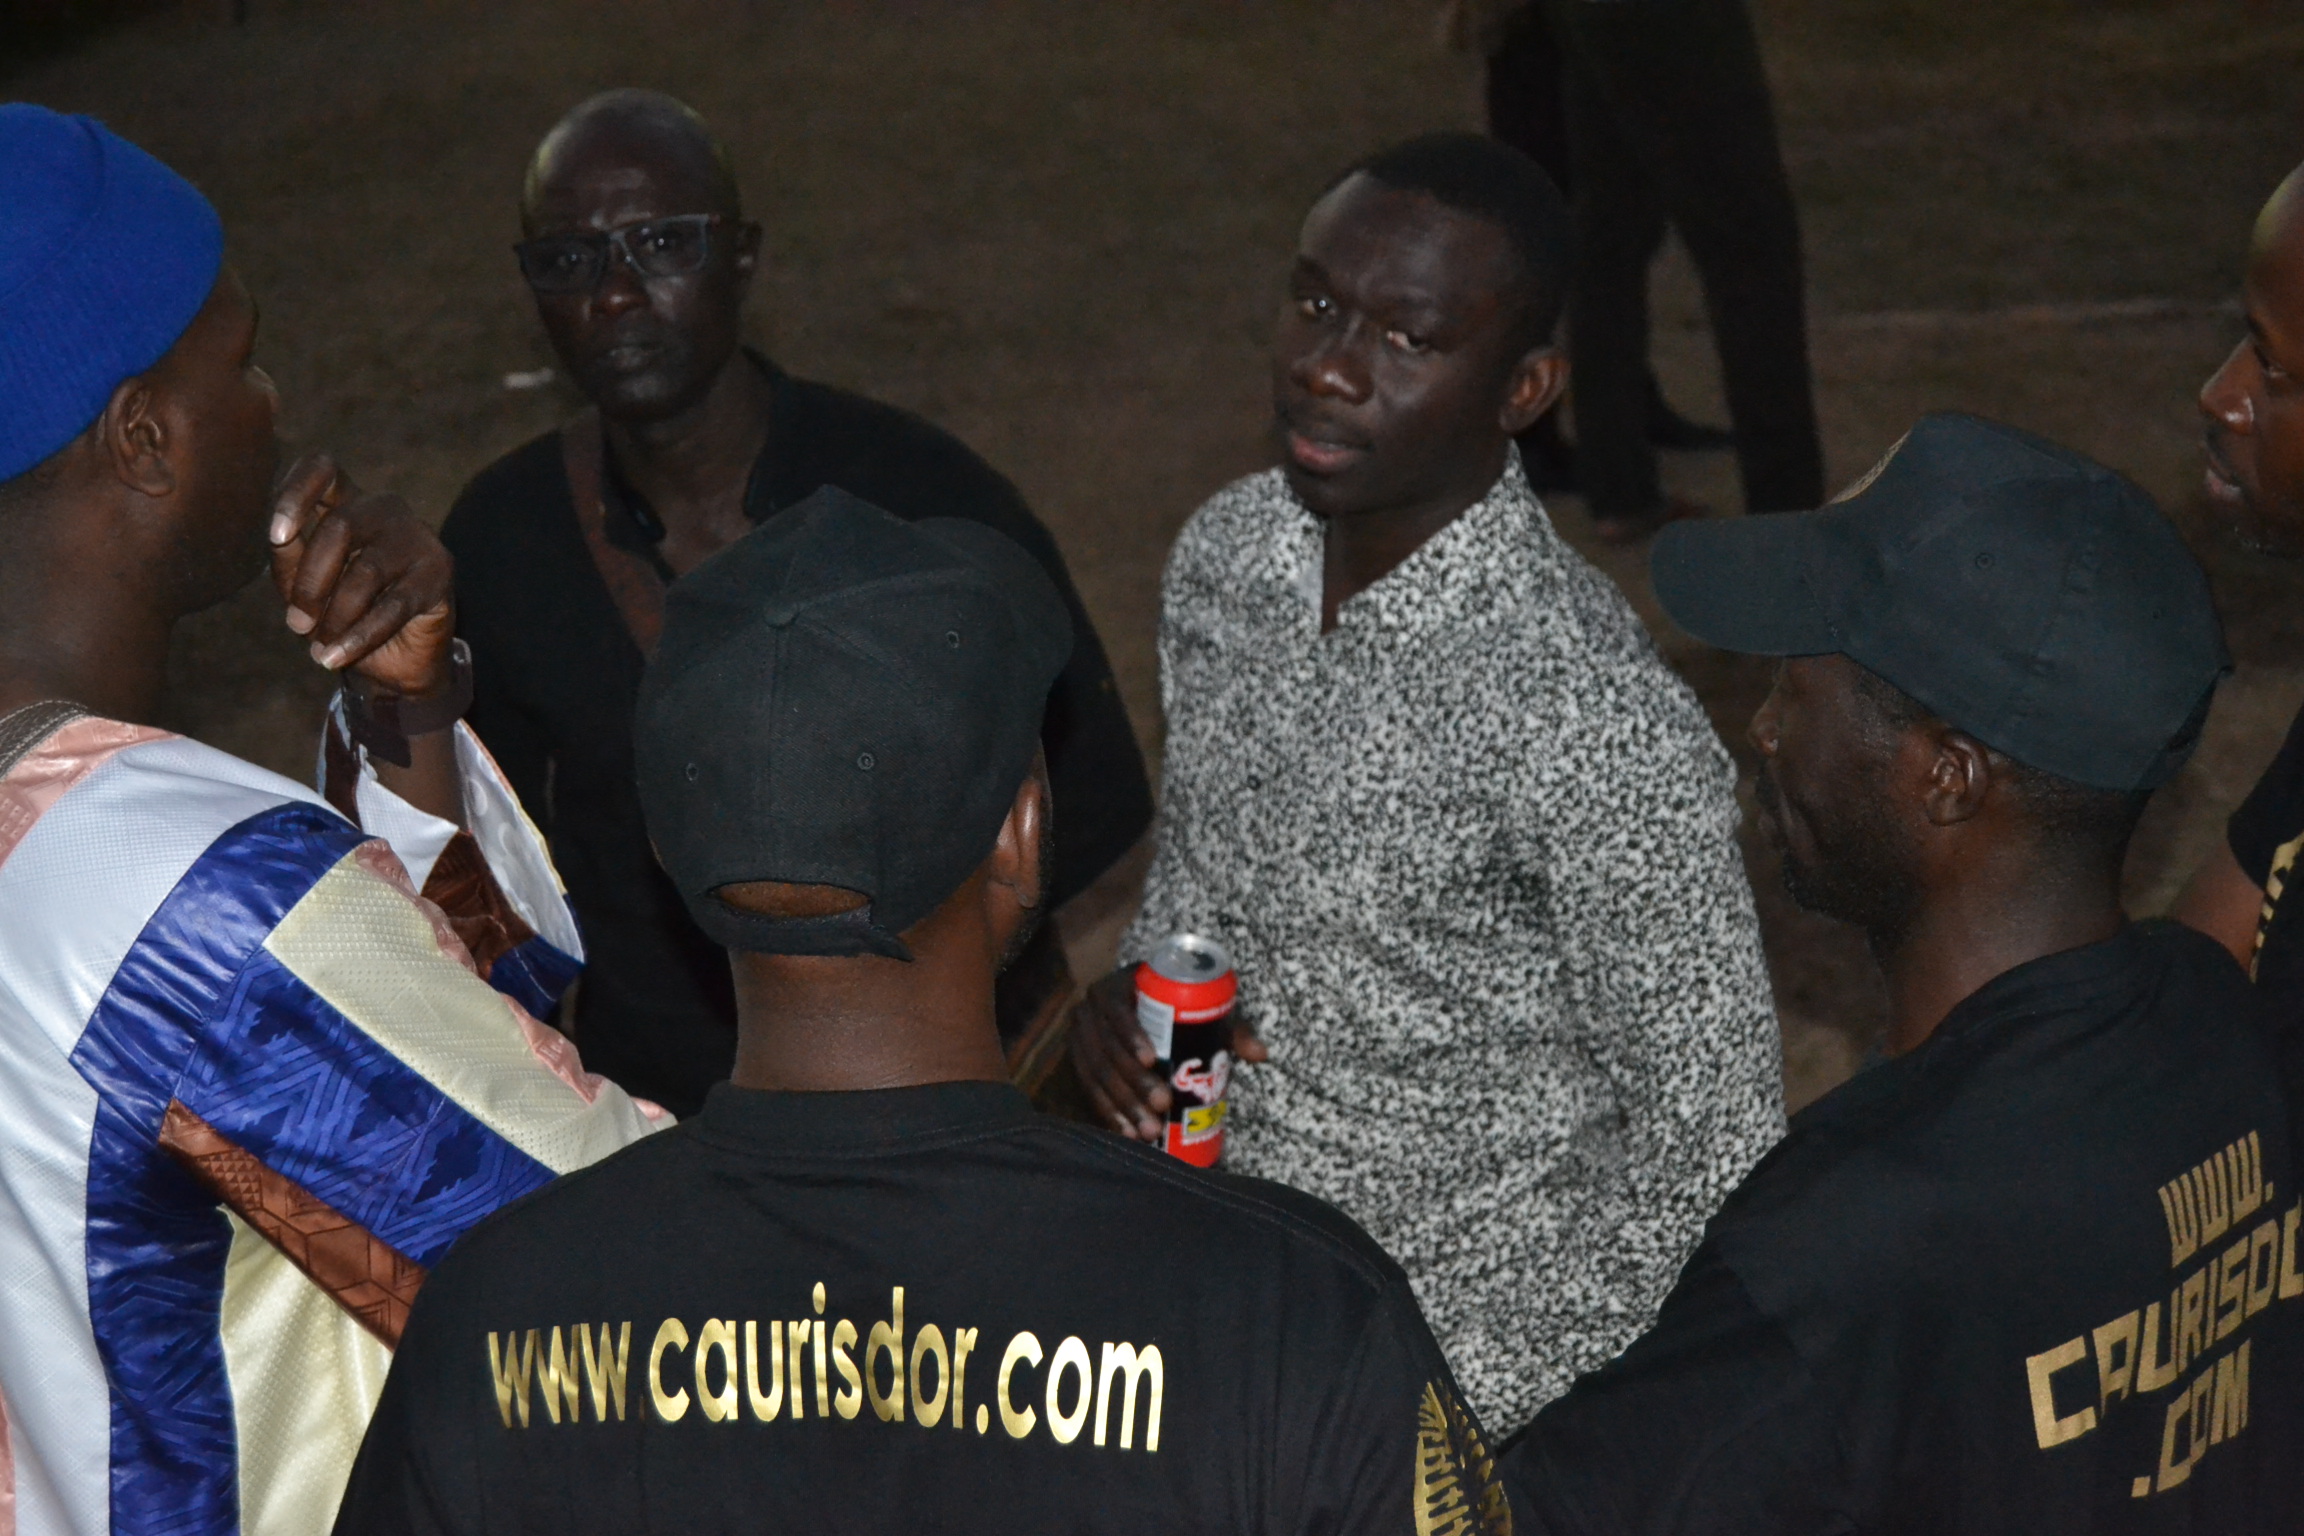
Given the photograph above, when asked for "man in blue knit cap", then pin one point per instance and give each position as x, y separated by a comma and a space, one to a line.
251, 1086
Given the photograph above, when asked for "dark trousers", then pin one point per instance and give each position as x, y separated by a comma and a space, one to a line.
1669, 124
1528, 95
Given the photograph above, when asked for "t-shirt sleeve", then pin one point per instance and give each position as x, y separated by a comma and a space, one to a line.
1707, 1424
1393, 1448
2273, 813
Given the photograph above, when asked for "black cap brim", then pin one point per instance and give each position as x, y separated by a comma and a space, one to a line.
1746, 584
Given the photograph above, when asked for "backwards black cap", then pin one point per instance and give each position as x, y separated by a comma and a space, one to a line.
2018, 590
844, 698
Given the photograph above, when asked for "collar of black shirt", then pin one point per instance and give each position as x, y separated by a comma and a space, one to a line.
2090, 980
632, 524
862, 1123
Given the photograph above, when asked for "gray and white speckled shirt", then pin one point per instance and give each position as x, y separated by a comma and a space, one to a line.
1474, 852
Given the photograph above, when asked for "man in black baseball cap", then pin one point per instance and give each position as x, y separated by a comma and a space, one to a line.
2037, 1271
868, 1288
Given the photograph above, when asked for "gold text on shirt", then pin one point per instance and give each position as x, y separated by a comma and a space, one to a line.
1114, 1396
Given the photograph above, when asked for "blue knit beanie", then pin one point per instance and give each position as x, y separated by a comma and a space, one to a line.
105, 257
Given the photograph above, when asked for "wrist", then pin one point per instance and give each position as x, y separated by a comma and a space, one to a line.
385, 720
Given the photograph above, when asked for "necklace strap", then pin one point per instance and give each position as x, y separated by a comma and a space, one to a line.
23, 729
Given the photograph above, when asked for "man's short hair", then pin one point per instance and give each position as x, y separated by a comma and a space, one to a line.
1489, 180
2079, 815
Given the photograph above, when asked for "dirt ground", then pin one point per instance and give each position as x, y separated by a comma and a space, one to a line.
1060, 230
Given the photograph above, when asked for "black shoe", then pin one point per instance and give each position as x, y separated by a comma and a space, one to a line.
1675, 433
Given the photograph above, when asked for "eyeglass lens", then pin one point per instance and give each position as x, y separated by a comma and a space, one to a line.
671, 247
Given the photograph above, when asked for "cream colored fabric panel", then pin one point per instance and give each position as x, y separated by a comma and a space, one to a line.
371, 951
305, 1378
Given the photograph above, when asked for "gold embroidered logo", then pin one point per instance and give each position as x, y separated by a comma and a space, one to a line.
1456, 1492
726, 1367
2275, 883
2193, 1341
2211, 1199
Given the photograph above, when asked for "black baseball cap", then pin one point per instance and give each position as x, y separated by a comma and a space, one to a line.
844, 698
2018, 590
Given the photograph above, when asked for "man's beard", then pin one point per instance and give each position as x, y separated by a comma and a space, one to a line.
1858, 874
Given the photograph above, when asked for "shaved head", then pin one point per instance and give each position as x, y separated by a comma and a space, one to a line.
638, 128
643, 347
2253, 408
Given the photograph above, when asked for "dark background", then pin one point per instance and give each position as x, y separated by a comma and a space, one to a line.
1060, 230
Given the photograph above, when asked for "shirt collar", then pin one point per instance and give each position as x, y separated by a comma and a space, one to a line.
2070, 983
1426, 591
850, 1124
632, 524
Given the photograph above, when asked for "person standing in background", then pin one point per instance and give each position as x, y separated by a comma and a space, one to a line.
1527, 98
1670, 126
639, 258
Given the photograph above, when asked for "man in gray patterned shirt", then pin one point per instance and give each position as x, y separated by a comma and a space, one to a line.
1471, 843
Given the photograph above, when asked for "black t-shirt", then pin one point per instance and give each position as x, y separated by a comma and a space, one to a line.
2039, 1275
920, 1309
557, 675
2266, 834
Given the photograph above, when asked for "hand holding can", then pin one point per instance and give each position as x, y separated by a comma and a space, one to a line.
1184, 997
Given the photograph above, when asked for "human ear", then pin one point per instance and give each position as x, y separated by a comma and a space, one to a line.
134, 434
1959, 778
1533, 389
746, 259
1015, 877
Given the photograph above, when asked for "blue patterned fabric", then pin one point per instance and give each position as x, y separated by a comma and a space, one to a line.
535, 976
200, 1011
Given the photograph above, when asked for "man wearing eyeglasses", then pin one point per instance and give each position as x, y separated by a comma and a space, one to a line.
640, 258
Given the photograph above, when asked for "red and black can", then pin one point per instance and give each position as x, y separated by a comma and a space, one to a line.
1184, 996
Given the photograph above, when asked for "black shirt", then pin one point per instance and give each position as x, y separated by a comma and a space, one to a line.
921, 1309
557, 674
2266, 834
2039, 1275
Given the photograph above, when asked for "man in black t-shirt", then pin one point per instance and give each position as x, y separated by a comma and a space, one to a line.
868, 1289
640, 258
2039, 1272
2253, 415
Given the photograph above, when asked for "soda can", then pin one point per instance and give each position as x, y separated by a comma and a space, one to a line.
1184, 997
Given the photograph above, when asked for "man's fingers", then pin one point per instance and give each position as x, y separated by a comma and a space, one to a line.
357, 587
378, 622
1113, 1000
324, 551
1088, 1064
304, 493
1247, 1045
1116, 1086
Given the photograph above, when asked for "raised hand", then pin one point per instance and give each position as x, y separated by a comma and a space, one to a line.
365, 581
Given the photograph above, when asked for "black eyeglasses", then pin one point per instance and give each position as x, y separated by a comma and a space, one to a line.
673, 247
